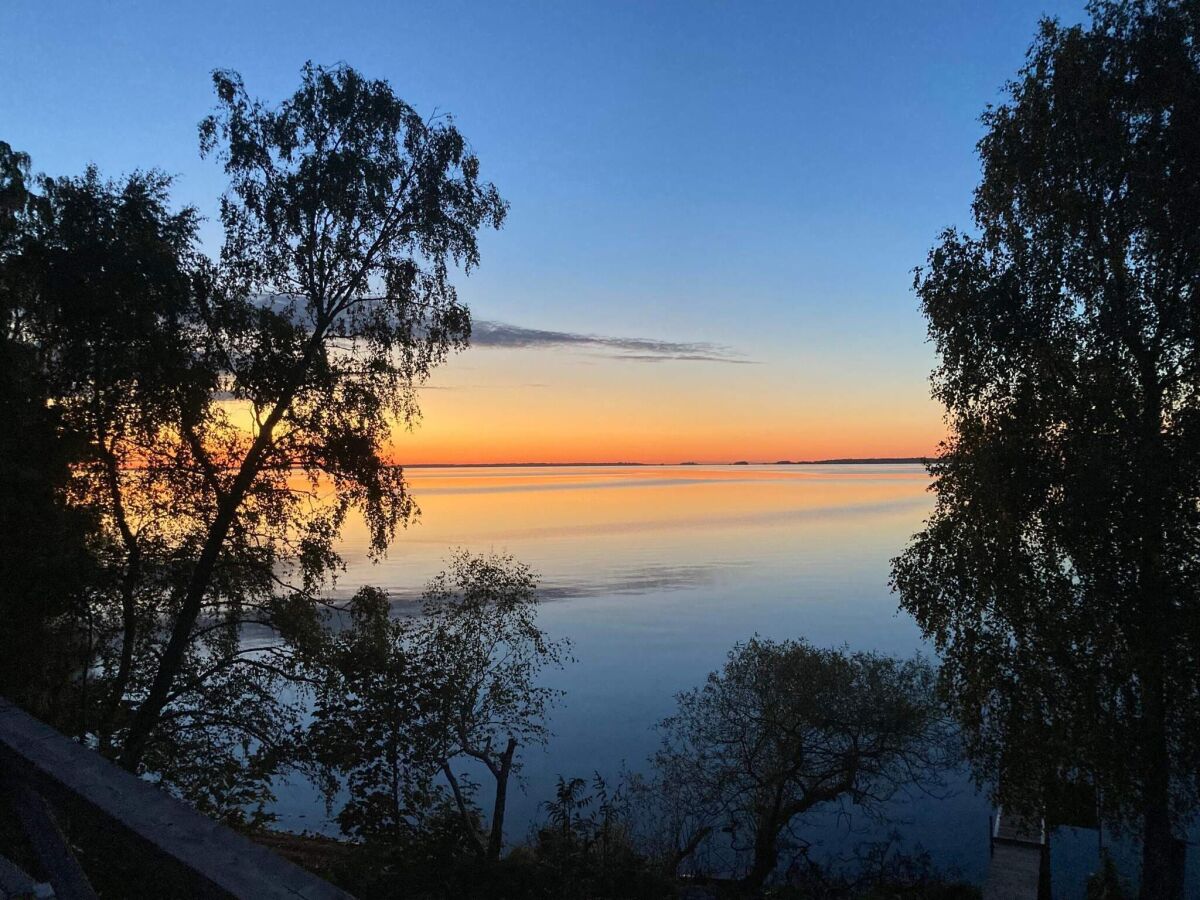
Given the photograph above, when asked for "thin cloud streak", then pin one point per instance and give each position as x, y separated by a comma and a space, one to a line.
500, 334
485, 387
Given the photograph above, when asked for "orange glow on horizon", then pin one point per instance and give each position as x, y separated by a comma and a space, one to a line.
510, 407
449, 447
477, 506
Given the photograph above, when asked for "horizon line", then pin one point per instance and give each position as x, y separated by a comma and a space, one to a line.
865, 460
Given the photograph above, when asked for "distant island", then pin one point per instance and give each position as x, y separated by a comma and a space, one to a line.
867, 461
848, 461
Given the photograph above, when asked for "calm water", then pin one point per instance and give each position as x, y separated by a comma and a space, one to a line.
653, 573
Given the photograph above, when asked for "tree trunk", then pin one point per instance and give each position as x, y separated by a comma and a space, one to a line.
128, 639
129, 586
496, 838
1162, 856
148, 713
676, 859
1162, 852
464, 813
766, 857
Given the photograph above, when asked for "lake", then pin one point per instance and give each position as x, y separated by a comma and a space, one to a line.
654, 572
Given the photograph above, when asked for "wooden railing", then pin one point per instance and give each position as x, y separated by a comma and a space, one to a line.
164, 847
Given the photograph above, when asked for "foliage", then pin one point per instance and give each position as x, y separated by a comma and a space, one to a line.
565, 811
44, 564
590, 847
105, 322
366, 726
404, 701
595, 858
1106, 884
877, 870
1058, 573
590, 844
331, 305
785, 728
479, 638
228, 415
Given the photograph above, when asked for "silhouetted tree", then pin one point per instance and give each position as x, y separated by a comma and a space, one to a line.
785, 728
94, 282
403, 701
331, 304
105, 283
1059, 572
44, 564
566, 810
481, 643
114, 266
366, 728
230, 414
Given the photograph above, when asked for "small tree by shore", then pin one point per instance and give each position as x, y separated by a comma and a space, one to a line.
405, 701
784, 729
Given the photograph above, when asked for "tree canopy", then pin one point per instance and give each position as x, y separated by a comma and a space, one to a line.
404, 702
785, 728
331, 304
220, 418
41, 593
1058, 572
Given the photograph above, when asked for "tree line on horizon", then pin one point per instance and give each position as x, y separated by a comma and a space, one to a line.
186, 436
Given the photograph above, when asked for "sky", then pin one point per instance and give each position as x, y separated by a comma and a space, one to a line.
715, 211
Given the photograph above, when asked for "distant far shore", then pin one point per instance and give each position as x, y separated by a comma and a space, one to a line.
848, 461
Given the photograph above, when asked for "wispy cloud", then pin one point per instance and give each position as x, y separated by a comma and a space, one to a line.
484, 387
633, 349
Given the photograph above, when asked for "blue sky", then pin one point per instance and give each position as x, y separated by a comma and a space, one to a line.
757, 175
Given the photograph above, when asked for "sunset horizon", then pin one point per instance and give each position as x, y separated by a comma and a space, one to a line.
644, 299
602, 450
517, 395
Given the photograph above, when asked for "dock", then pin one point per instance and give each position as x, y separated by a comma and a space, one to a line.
1020, 864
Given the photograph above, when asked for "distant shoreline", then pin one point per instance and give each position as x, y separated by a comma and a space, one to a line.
848, 461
